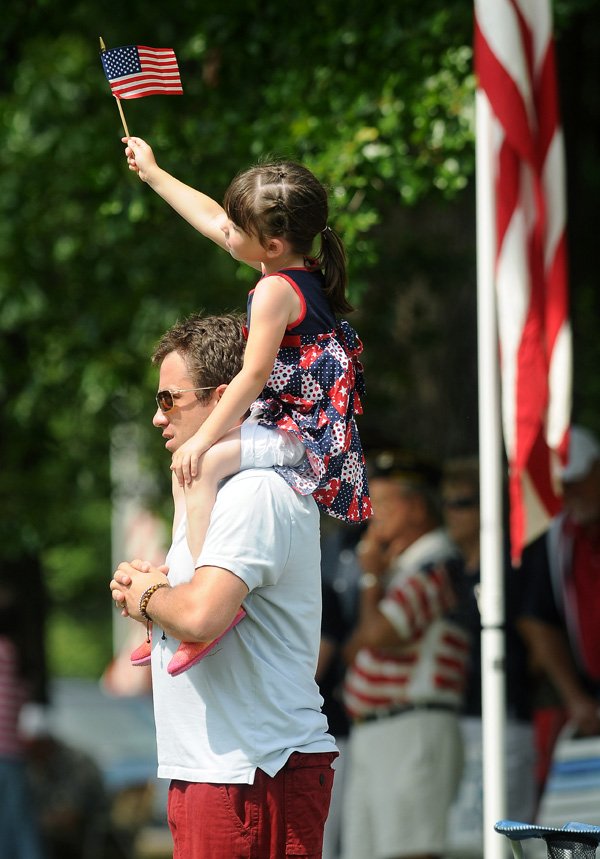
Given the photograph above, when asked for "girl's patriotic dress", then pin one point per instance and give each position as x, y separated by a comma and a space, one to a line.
314, 392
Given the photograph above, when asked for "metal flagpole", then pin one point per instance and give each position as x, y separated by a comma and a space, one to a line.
491, 601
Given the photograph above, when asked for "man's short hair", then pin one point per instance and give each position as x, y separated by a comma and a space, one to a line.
211, 346
464, 469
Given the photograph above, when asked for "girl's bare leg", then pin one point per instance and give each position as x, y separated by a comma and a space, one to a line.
219, 461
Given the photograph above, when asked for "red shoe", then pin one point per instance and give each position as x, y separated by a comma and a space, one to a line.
141, 655
190, 652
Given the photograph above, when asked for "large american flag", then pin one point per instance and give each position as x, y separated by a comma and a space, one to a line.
136, 70
515, 65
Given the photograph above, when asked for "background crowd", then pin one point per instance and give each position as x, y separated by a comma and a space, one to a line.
398, 599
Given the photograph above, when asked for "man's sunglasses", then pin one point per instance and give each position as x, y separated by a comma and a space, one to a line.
165, 401
464, 503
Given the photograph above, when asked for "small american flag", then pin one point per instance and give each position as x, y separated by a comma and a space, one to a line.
136, 70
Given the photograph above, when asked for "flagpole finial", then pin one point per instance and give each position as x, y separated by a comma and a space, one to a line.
102, 45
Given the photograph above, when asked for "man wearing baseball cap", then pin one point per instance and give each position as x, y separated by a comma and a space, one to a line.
580, 478
560, 618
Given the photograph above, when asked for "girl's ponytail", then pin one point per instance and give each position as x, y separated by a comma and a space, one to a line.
332, 260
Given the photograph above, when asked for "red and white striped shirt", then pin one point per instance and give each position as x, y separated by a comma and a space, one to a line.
12, 698
429, 667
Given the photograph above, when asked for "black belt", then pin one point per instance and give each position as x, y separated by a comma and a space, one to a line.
402, 708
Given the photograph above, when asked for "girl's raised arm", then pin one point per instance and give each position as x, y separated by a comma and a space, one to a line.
201, 211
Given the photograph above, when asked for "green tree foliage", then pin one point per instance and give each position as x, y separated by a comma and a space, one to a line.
377, 101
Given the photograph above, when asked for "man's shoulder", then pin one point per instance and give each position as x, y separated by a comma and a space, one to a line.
255, 474
251, 478
431, 550
262, 486
256, 509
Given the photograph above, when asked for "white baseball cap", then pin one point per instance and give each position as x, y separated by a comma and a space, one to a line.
584, 451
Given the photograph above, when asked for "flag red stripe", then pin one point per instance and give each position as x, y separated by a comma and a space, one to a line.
159, 52
139, 93
540, 471
508, 181
557, 307
507, 101
546, 100
146, 76
144, 80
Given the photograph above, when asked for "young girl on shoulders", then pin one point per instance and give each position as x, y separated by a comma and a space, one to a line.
301, 379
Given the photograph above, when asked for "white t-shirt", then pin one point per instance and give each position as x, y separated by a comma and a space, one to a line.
253, 700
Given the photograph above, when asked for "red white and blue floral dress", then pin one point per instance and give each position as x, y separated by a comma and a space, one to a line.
314, 392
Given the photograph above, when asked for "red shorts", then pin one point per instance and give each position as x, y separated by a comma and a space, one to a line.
273, 818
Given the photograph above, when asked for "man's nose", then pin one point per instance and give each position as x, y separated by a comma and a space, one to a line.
159, 419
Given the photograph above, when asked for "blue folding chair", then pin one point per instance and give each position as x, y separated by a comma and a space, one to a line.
572, 841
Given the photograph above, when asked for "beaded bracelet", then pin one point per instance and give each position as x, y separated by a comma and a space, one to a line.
145, 598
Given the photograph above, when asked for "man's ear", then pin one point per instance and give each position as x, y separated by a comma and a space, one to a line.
418, 511
220, 390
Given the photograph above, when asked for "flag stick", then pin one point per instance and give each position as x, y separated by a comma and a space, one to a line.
118, 100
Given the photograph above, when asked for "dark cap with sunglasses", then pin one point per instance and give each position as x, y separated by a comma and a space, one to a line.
404, 466
463, 502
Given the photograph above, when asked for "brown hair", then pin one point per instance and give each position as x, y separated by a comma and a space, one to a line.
284, 199
211, 346
464, 469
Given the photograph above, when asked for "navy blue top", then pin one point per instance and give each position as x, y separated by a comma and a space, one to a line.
316, 316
